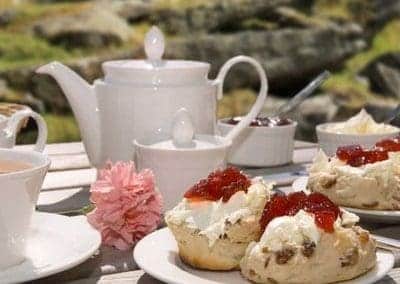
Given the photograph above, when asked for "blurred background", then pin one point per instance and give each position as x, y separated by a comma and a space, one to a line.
357, 40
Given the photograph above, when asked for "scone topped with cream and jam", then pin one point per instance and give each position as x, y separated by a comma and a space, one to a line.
360, 178
308, 239
217, 219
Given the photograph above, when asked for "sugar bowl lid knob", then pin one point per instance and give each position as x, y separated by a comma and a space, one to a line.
154, 44
183, 129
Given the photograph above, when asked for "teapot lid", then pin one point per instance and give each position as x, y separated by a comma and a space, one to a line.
154, 70
184, 139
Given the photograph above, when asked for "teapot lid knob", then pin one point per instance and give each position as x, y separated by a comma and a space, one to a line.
183, 129
154, 44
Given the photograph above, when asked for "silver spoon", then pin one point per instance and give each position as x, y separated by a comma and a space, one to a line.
302, 95
392, 115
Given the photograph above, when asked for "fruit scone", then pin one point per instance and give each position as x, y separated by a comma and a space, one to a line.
308, 239
217, 219
360, 178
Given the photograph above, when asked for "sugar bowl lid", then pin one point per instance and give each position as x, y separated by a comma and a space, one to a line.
183, 138
154, 70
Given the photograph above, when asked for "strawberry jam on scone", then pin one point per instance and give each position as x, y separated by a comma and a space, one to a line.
308, 239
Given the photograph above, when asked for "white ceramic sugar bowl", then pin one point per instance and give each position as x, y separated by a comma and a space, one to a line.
180, 161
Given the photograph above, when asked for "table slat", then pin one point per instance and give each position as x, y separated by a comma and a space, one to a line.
304, 144
304, 155
130, 277
67, 201
69, 162
59, 148
69, 179
140, 277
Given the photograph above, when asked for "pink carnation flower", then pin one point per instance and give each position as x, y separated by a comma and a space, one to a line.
127, 205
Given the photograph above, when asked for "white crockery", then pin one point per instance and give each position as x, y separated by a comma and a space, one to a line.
139, 97
178, 162
18, 196
56, 243
329, 141
261, 146
9, 128
157, 254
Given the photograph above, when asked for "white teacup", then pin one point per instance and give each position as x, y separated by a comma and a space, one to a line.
19, 191
9, 128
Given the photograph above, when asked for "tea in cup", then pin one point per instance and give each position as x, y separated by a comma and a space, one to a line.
21, 178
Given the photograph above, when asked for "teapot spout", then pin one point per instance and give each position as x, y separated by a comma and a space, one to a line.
83, 101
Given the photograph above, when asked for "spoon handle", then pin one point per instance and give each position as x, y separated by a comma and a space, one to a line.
393, 114
302, 95
388, 242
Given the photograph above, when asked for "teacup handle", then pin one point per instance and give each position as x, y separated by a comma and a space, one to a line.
14, 122
262, 94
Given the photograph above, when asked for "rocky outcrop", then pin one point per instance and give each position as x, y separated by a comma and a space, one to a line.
383, 74
384, 11
209, 16
93, 28
11, 96
223, 15
45, 89
316, 110
289, 56
133, 10
7, 16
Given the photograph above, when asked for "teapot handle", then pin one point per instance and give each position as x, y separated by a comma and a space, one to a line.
262, 94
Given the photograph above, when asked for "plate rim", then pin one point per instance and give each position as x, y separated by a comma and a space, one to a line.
62, 266
165, 231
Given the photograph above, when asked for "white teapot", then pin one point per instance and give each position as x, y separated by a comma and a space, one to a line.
139, 97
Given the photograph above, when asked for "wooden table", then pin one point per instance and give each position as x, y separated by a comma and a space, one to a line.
66, 191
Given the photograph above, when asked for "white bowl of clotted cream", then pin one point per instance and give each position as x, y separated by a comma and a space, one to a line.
360, 129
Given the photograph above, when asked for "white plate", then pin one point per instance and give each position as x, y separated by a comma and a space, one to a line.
380, 216
157, 254
56, 243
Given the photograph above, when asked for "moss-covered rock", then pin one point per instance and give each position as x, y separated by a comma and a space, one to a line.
94, 28
23, 50
346, 85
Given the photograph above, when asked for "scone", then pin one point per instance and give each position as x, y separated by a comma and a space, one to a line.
307, 239
218, 218
359, 178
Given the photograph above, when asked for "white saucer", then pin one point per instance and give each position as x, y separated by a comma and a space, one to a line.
56, 243
157, 254
379, 216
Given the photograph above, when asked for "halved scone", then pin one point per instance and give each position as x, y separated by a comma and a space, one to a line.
369, 186
213, 232
309, 246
